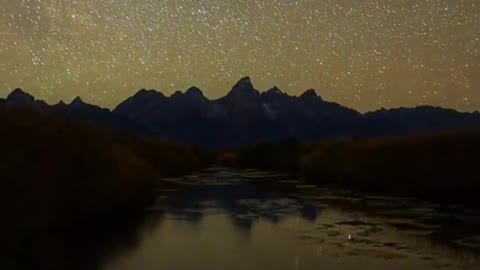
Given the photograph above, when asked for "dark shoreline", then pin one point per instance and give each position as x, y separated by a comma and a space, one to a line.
438, 167
59, 178
58, 175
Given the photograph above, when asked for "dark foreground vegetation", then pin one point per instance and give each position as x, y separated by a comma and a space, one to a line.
68, 188
58, 176
439, 167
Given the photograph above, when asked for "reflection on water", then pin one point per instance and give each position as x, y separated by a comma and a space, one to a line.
226, 219
249, 220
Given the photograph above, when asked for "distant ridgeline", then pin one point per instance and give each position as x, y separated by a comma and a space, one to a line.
245, 116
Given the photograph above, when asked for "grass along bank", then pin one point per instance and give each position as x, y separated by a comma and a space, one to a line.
441, 167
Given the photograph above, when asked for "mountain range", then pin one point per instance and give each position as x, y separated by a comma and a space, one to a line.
247, 116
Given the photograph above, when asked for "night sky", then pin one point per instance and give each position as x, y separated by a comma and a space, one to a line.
365, 54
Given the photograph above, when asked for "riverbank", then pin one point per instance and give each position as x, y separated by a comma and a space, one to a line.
58, 176
438, 167
61, 178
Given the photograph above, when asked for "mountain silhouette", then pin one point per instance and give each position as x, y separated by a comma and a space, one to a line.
19, 98
247, 116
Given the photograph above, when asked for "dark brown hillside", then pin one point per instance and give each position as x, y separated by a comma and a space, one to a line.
55, 176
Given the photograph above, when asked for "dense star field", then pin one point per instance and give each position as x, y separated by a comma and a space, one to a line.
364, 54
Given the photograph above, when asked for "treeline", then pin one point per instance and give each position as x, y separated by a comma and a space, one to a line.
56, 175
441, 167
266, 156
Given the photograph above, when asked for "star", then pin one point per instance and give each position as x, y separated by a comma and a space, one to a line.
363, 54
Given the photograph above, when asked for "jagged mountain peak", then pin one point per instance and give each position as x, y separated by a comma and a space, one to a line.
245, 116
275, 90
274, 95
245, 79
191, 93
177, 94
310, 94
20, 96
140, 101
243, 89
244, 84
77, 102
61, 103
149, 93
79, 105
194, 92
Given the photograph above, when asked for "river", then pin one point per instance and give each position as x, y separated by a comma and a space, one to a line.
244, 219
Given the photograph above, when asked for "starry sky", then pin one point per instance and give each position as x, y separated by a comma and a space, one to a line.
364, 54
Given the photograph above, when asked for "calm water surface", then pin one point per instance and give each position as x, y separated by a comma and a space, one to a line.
227, 219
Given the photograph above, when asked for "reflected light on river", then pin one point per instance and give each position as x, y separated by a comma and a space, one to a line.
236, 226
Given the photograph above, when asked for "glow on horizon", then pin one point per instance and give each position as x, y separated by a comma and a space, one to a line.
363, 54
